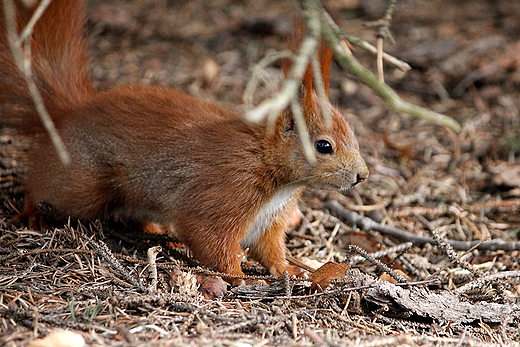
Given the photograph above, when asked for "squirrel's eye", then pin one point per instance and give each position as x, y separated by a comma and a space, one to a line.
323, 147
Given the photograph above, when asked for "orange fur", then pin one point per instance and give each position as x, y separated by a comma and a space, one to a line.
325, 59
308, 82
165, 159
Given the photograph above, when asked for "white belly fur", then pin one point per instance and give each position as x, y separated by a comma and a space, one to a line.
269, 211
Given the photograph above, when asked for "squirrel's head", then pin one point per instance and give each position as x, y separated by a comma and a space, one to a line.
339, 165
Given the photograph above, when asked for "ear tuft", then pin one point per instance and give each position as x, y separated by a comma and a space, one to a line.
325, 62
325, 59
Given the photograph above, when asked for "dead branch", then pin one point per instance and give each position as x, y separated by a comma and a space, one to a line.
478, 283
378, 263
270, 109
102, 249
383, 33
365, 223
362, 44
152, 256
383, 25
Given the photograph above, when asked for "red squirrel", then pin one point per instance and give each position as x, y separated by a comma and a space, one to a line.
163, 158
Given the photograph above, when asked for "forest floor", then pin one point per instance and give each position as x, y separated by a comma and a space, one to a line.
424, 179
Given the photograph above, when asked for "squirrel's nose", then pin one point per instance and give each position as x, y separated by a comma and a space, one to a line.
360, 179
359, 167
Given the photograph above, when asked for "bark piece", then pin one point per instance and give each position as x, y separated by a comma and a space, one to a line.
419, 301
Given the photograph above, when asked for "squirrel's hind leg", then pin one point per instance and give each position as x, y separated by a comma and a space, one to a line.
32, 216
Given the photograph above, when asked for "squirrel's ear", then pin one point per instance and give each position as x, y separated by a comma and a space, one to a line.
288, 122
307, 94
309, 83
325, 62
308, 86
285, 123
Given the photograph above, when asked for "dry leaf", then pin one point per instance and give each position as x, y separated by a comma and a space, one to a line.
386, 277
328, 272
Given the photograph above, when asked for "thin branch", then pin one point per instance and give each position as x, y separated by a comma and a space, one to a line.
384, 252
319, 23
459, 258
380, 71
447, 249
382, 266
383, 33
271, 108
383, 24
301, 126
22, 58
256, 72
362, 44
102, 249
152, 257
27, 31
388, 94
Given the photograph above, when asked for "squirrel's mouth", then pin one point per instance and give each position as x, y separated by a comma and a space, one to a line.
333, 186
343, 188
338, 181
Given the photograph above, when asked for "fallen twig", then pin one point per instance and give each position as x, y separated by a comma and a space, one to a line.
447, 249
483, 280
382, 266
152, 256
102, 249
366, 223
23, 253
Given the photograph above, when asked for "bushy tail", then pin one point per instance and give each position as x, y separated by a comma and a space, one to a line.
58, 58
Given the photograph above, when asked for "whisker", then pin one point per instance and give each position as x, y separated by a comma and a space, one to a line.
310, 177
